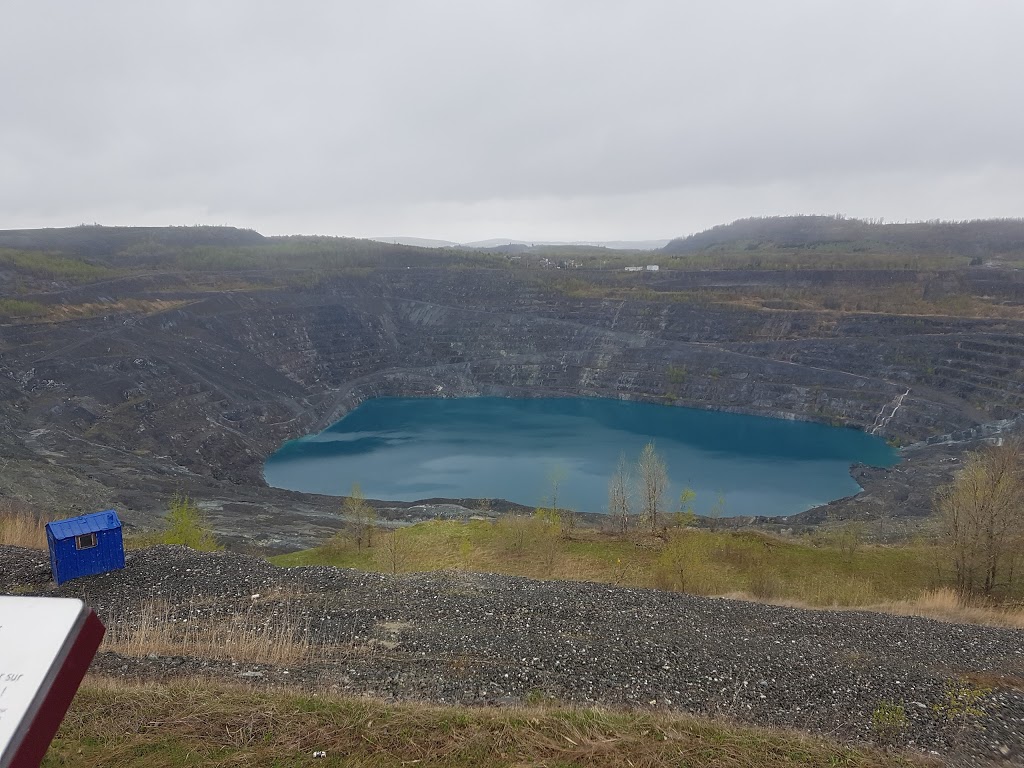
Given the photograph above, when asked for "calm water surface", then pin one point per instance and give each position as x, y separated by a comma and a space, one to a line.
407, 449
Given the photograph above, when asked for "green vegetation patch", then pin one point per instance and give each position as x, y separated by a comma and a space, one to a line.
17, 308
833, 570
342, 256
185, 525
55, 266
128, 723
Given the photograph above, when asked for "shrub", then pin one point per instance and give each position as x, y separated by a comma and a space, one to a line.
187, 526
962, 702
889, 721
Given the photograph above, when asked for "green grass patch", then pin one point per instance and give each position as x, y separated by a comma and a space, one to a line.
54, 266
18, 308
324, 256
128, 723
824, 572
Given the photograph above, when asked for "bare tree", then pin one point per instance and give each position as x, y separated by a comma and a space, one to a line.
653, 484
619, 492
396, 549
983, 516
515, 533
547, 544
360, 517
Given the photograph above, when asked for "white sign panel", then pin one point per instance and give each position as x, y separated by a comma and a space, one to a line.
37, 634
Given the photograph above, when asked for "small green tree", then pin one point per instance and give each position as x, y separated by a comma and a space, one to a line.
546, 543
686, 516
566, 518
187, 526
683, 562
360, 517
675, 378
717, 511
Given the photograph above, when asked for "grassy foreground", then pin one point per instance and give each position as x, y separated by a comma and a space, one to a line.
115, 722
831, 571
820, 573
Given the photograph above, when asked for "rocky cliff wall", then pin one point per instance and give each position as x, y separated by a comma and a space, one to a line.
202, 393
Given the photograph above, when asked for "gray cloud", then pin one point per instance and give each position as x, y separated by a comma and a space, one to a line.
542, 119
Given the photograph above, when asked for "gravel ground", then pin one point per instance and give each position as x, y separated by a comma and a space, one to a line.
486, 639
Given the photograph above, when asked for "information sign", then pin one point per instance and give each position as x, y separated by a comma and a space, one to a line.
46, 645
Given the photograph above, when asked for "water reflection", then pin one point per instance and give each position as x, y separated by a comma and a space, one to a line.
409, 449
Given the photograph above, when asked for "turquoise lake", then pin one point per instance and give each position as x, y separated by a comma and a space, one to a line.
406, 449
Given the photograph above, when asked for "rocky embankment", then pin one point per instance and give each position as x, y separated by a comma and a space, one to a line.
126, 409
495, 640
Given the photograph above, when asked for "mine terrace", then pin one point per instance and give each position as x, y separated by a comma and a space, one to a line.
135, 362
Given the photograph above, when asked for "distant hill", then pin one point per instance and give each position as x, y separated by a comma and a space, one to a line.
509, 245
59, 254
617, 245
420, 242
975, 239
627, 245
93, 241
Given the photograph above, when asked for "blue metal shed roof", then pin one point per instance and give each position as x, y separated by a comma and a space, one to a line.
76, 526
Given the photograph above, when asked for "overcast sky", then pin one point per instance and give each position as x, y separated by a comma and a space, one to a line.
533, 119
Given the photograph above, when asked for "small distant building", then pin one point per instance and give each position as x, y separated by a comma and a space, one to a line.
634, 269
653, 267
85, 545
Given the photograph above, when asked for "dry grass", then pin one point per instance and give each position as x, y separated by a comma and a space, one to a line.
941, 604
247, 637
829, 572
115, 722
20, 526
993, 680
35, 312
59, 312
946, 605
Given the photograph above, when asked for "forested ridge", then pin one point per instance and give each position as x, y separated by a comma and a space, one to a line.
973, 239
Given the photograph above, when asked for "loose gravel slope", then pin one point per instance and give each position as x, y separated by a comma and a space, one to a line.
488, 639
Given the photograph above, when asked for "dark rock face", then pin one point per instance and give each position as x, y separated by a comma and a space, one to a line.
487, 639
125, 409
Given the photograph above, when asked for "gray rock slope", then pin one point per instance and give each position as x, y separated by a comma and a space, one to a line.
489, 639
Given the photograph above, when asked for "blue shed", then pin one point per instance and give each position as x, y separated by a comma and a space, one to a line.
85, 545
